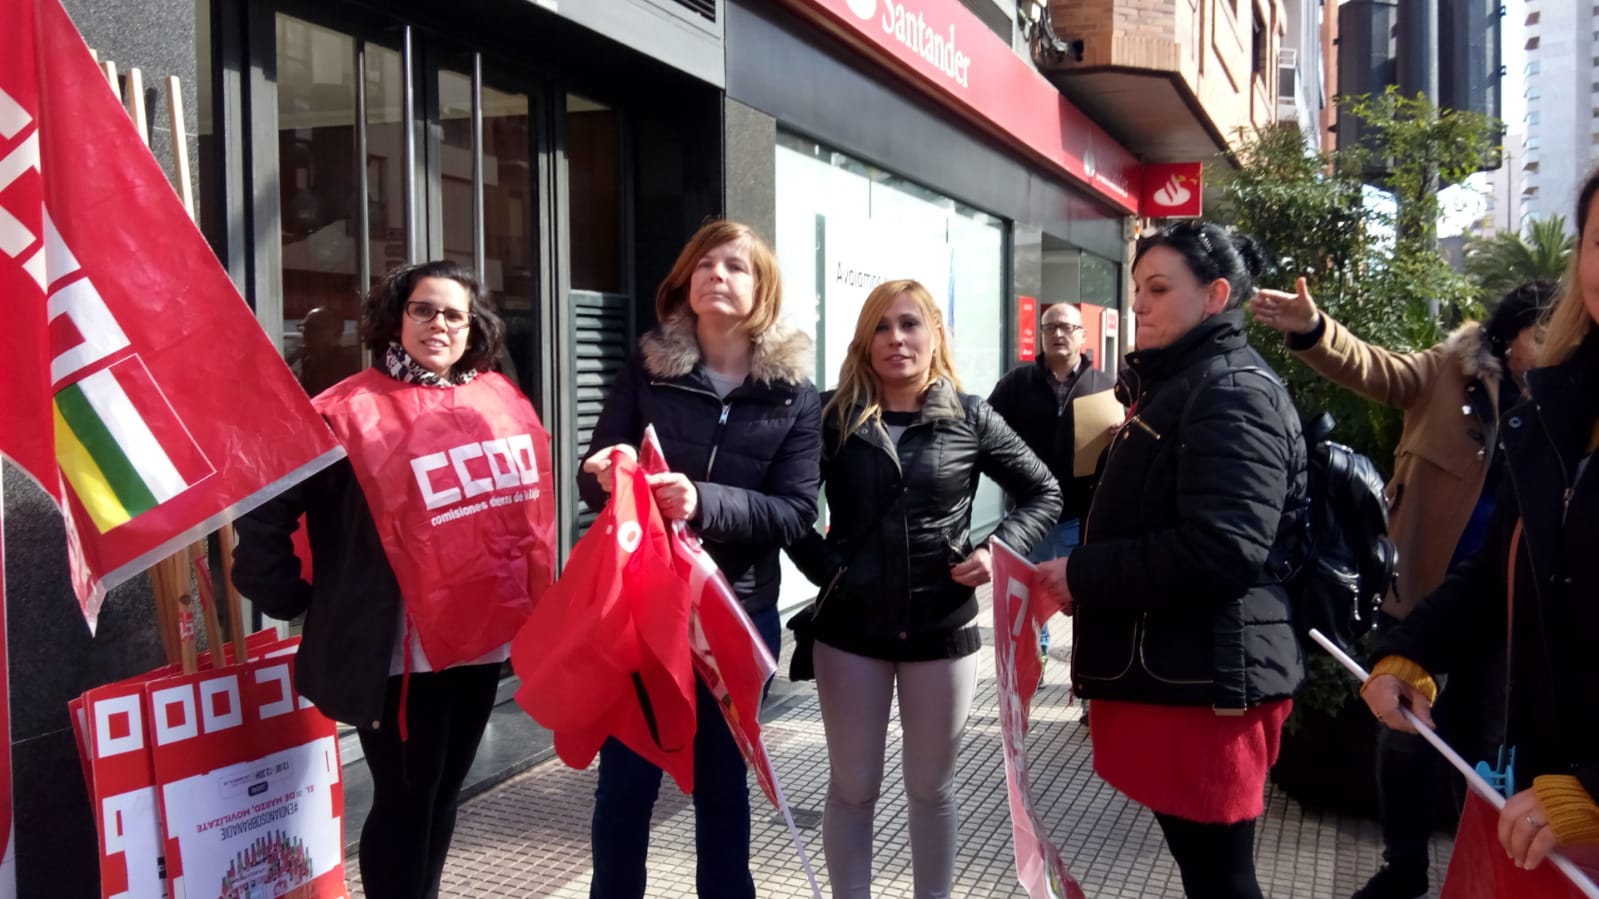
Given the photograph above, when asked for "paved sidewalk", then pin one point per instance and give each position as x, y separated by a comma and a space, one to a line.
529, 836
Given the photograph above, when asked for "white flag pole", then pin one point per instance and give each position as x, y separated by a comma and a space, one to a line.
1478, 784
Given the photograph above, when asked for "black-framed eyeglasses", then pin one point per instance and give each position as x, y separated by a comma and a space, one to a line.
1062, 328
422, 313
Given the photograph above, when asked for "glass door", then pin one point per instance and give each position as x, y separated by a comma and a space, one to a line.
392, 149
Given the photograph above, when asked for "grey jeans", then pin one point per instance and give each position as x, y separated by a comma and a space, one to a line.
856, 694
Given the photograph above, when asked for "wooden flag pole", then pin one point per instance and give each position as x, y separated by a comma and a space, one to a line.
208, 605
235, 605
180, 143
135, 103
110, 69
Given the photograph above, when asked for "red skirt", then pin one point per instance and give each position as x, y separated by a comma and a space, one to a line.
1187, 761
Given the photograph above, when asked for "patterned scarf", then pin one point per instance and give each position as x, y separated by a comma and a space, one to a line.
400, 366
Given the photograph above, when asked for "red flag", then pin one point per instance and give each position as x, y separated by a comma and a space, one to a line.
140, 391
1481, 869
605, 652
1019, 611
8, 860
728, 653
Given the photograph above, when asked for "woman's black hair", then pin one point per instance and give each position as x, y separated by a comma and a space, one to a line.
383, 311
1211, 252
1515, 312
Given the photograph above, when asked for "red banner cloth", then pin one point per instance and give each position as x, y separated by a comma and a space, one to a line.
457, 480
140, 391
8, 861
728, 653
1481, 869
606, 652
1019, 612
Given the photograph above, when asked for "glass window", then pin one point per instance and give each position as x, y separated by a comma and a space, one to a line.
316, 154
594, 174
844, 226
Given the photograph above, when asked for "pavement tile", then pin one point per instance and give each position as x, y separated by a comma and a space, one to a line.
528, 837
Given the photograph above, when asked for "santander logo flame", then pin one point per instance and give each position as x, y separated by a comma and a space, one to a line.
1173, 193
863, 9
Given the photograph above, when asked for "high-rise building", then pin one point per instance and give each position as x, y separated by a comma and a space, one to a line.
1562, 91
1306, 79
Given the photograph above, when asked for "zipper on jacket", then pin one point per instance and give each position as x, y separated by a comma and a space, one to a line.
1136, 420
716, 438
721, 420
1565, 474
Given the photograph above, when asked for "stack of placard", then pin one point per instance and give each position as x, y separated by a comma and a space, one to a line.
221, 783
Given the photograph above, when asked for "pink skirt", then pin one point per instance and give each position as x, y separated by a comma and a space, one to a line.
1187, 761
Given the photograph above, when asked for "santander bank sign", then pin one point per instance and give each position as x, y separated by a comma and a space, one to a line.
909, 27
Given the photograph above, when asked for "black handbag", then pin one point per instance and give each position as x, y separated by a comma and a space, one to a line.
801, 664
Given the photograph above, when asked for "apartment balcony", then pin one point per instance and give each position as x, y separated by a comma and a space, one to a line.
1172, 80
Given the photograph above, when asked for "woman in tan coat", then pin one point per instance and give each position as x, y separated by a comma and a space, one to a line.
1444, 483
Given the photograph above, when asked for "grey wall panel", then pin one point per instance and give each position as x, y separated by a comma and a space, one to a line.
813, 85
751, 177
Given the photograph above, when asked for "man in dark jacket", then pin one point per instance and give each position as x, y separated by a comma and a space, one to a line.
1035, 399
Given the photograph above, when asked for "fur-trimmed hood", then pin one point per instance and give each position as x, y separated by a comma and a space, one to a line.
1468, 346
783, 353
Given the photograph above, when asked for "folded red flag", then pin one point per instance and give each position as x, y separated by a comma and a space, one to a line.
605, 652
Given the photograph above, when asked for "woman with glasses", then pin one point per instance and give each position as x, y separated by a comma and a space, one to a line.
1181, 631
726, 384
903, 449
415, 591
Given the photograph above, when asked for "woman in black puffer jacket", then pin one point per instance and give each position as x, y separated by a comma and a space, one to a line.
1539, 560
726, 385
1182, 634
903, 449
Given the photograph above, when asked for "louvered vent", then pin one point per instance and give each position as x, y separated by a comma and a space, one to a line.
706, 8
604, 339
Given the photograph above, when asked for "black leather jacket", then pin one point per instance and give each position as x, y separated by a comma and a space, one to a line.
895, 600
1177, 583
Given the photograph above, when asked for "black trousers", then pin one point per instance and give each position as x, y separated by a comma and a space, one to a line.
1217, 861
416, 784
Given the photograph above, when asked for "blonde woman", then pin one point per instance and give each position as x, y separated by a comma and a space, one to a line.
1540, 551
902, 450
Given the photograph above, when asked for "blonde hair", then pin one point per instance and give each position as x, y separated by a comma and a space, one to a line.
671, 298
858, 383
1568, 320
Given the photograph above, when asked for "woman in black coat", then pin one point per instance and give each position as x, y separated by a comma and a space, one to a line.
725, 384
1182, 636
1541, 553
903, 451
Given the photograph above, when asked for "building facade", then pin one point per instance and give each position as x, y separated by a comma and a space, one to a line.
1173, 79
566, 151
1562, 120
1307, 75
